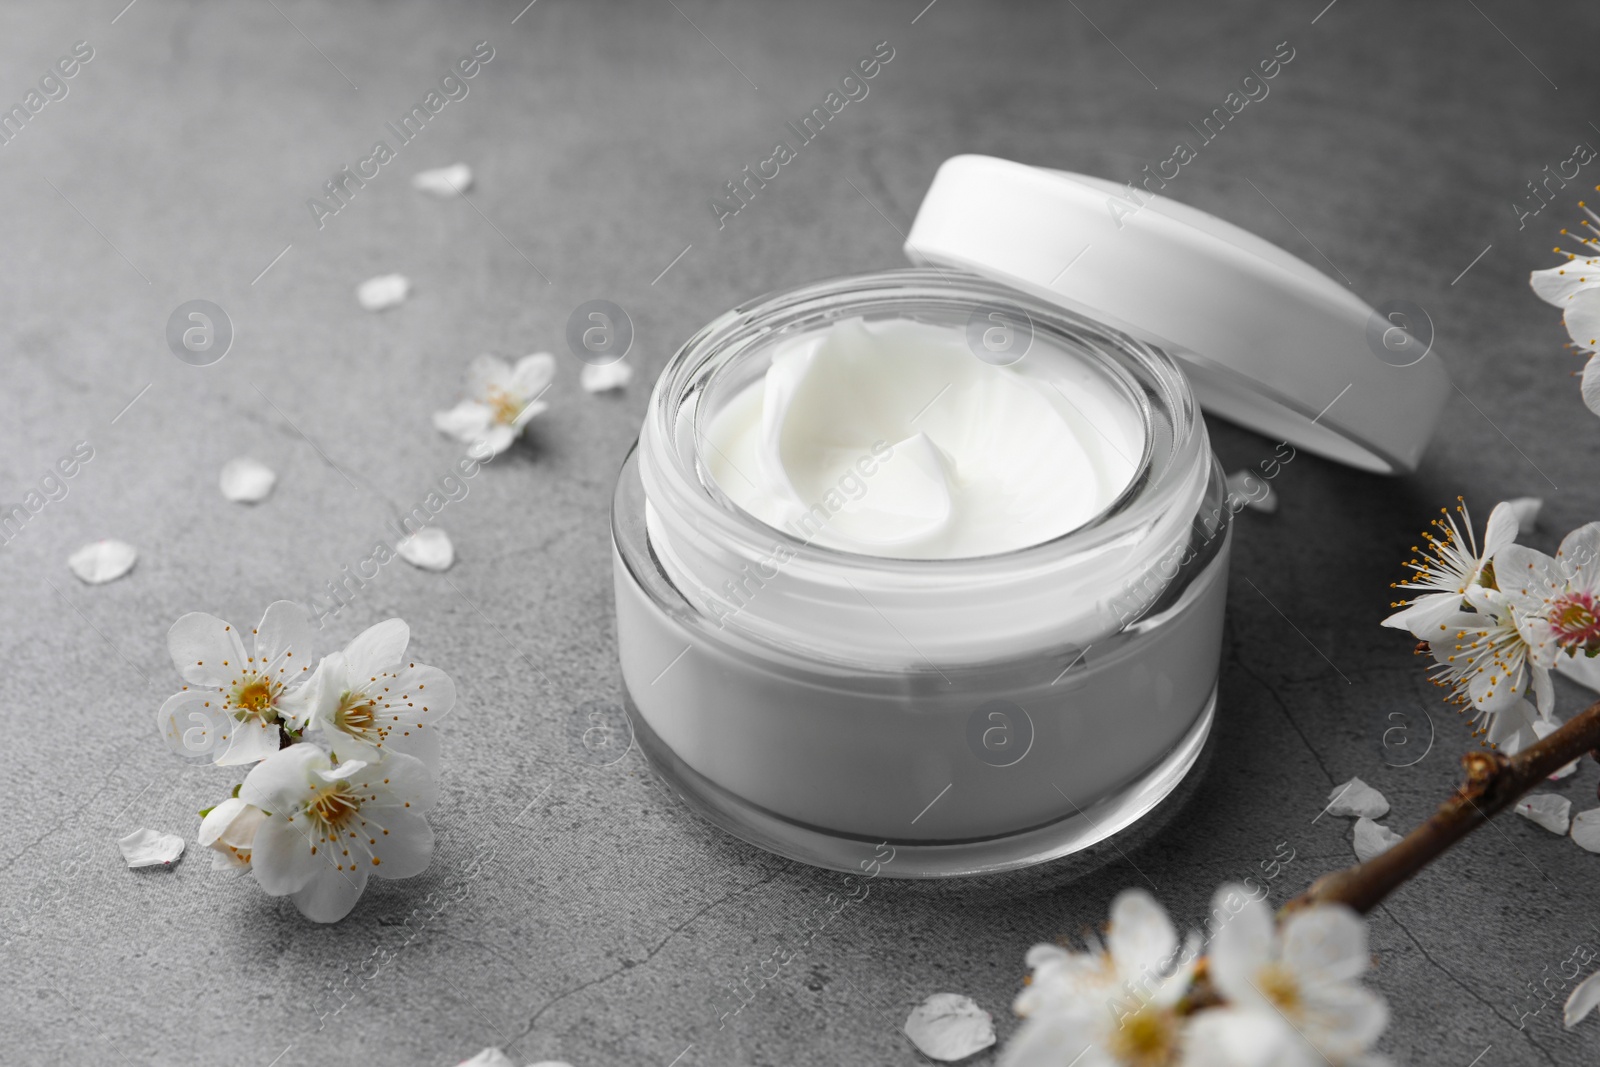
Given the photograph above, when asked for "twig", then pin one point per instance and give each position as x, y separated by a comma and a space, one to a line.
1493, 783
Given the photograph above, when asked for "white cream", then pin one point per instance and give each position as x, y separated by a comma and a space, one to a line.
891, 438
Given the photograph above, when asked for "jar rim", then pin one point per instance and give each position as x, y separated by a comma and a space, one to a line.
1161, 394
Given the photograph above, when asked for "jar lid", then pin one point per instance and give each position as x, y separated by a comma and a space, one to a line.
1266, 339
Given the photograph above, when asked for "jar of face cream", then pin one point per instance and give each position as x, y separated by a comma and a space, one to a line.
931, 564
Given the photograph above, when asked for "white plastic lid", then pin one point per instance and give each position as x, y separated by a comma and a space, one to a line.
1267, 340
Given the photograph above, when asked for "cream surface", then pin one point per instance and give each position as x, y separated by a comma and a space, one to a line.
891, 438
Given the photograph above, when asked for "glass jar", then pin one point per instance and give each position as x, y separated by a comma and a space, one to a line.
974, 714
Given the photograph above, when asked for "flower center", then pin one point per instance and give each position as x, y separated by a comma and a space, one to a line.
506, 407
1146, 1038
254, 696
1280, 987
1576, 621
332, 805
357, 715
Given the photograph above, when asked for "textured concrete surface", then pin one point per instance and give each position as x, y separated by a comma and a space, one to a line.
602, 923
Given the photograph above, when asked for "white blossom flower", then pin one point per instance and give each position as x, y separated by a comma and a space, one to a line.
329, 825
1483, 658
1557, 600
1295, 992
501, 401
369, 700
235, 702
1451, 565
1574, 286
1110, 1005
229, 830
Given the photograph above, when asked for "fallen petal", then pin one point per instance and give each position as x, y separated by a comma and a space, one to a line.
1372, 839
489, 1057
384, 291
1526, 509
444, 182
1357, 799
103, 561
1254, 490
599, 377
428, 548
247, 481
147, 848
1548, 810
1583, 1000
949, 1026
1586, 829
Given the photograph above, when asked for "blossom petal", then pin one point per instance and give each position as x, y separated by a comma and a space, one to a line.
1325, 944
497, 438
1591, 384
1544, 690
487, 373
1583, 1000
311, 702
1556, 285
1526, 509
383, 292
99, 562
377, 648
330, 893
246, 481
251, 742
147, 848
529, 410
949, 1027
1581, 669
205, 649
1580, 557
1357, 798
194, 723
446, 182
1371, 839
1527, 576
601, 377
429, 549
233, 822
1349, 1019
467, 421
1236, 1037
1241, 942
400, 842
1547, 810
1502, 527
282, 859
280, 782
532, 374
284, 641
404, 781
1586, 829
1583, 318
1141, 938
1252, 490
1427, 616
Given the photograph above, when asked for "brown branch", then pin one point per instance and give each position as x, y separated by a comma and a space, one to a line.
1493, 783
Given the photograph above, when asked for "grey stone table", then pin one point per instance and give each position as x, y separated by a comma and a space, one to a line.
574, 910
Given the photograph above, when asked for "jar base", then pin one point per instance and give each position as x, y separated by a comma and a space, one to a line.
818, 847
